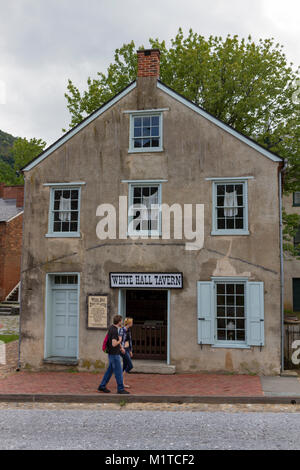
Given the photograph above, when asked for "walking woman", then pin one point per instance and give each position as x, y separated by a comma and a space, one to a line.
126, 344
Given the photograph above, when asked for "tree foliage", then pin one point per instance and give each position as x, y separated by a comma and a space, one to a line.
22, 152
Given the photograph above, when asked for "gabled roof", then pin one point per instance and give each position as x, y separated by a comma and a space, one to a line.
247, 140
8, 209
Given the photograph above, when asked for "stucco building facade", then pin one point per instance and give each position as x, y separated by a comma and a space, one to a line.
203, 302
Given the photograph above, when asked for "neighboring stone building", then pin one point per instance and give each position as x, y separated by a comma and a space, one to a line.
292, 263
11, 221
208, 304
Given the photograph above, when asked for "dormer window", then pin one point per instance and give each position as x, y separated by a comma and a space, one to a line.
145, 132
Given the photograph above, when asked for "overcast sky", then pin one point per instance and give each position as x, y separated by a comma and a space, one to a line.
43, 43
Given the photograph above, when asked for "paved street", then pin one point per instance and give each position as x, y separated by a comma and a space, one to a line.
156, 430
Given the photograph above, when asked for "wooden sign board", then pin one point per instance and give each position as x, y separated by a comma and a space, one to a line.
97, 311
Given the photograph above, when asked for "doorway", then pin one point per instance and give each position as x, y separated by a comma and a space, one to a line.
149, 310
62, 314
296, 294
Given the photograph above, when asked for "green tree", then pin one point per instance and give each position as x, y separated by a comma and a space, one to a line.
22, 152
249, 85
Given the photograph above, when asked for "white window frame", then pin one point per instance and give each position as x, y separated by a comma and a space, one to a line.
59, 186
215, 230
144, 233
145, 113
227, 343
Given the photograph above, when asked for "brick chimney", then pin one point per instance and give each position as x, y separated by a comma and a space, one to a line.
148, 63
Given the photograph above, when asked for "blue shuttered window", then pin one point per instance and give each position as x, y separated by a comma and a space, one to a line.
230, 313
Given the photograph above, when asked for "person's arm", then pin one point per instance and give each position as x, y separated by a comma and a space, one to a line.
116, 340
123, 335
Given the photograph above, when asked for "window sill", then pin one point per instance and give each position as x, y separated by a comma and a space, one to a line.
229, 345
146, 150
62, 235
230, 232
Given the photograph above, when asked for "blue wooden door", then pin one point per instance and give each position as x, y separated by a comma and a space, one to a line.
65, 322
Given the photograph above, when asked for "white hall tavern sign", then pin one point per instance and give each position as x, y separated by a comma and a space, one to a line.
146, 280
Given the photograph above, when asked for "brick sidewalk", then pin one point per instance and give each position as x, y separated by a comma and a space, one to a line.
85, 383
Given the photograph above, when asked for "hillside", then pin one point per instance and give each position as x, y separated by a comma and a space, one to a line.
6, 142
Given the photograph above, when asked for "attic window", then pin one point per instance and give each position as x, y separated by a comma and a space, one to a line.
145, 132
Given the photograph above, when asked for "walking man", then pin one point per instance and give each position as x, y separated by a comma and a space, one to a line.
114, 359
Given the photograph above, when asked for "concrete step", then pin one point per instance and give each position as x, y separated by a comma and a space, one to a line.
141, 366
5, 311
10, 308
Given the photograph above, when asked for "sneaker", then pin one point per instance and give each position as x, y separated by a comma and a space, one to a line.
103, 389
123, 392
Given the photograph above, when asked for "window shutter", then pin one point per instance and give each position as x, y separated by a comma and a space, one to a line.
256, 335
205, 311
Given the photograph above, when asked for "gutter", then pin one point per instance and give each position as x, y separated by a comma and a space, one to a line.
280, 178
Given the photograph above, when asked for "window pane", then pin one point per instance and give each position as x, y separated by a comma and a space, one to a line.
230, 288
137, 132
221, 288
155, 131
137, 122
137, 143
146, 121
155, 121
221, 224
155, 143
146, 131
73, 227
239, 288
146, 142
221, 335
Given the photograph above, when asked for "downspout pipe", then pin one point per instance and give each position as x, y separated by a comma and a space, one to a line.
20, 286
280, 187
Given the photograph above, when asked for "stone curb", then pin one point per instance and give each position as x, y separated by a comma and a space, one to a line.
115, 398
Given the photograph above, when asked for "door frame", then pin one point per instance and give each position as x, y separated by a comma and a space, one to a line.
122, 312
48, 311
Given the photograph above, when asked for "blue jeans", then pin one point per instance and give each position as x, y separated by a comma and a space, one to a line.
127, 362
114, 367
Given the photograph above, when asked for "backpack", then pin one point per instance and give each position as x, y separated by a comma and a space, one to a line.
104, 344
